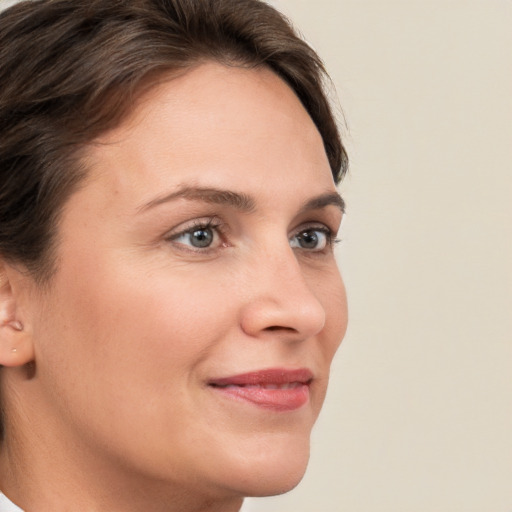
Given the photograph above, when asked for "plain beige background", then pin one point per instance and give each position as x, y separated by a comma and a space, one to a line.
419, 414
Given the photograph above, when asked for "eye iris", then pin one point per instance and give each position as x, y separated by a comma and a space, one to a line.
201, 237
308, 239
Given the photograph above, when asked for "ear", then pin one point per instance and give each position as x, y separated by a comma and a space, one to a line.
16, 347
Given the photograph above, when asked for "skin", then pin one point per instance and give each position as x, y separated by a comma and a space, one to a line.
110, 379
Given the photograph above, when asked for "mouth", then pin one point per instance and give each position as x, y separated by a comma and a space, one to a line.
276, 389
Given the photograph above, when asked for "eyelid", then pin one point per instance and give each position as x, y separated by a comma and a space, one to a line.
330, 217
188, 226
320, 225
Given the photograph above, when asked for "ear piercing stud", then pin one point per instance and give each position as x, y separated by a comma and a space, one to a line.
16, 324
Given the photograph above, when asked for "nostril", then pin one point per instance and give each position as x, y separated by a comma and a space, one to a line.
280, 328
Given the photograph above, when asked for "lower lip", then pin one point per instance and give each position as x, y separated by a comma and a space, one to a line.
275, 399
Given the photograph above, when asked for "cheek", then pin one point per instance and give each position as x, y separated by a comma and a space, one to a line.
172, 318
332, 294
119, 329
129, 345
339, 311
183, 315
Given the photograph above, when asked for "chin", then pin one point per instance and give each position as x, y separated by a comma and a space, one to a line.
278, 481
277, 467
283, 482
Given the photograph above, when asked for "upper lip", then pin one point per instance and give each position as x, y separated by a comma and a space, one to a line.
269, 376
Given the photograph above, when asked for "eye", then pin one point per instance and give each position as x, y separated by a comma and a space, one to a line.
199, 236
312, 239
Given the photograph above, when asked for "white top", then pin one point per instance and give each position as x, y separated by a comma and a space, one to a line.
7, 505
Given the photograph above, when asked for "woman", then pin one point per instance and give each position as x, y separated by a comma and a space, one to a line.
170, 302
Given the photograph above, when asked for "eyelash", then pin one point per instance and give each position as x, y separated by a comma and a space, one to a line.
212, 224
220, 230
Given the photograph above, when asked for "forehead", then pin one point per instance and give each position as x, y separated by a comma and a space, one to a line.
211, 124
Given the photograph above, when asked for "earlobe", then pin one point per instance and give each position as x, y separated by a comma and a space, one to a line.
16, 348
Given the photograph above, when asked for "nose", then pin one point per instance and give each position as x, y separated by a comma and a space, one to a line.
280, 300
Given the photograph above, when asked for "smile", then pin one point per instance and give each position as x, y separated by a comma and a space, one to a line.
275, 389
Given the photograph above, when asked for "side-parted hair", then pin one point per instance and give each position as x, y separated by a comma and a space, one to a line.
70, 70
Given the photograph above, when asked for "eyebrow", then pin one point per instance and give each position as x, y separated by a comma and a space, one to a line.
238, 200
324, 200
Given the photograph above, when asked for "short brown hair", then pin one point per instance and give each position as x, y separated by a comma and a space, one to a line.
70, 70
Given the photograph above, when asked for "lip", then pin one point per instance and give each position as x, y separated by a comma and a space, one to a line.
277, 389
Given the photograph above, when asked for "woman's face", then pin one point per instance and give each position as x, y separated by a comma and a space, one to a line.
188, 332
